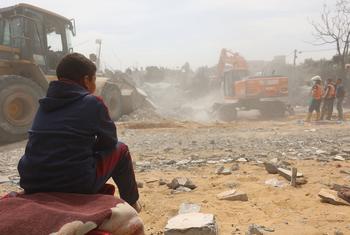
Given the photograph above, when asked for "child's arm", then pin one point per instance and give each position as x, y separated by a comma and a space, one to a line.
105, 130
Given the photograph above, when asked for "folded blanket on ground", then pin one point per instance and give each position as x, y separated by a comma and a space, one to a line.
67, 214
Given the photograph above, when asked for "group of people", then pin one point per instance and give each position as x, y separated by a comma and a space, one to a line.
326, 96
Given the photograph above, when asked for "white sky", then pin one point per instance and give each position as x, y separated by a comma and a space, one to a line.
169, 33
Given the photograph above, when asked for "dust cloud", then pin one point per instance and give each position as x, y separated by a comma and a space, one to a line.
172, 100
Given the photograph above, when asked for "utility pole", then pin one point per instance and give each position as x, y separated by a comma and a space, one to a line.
295, 58
294, 81
98, 62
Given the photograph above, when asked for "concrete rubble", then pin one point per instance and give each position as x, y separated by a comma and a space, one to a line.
192, 224
181, 189
288, 173
174, 150
189, 208
255, 229
271, 168
275, 183
181, 181
338, 158
330, 196
223, 171
232, 195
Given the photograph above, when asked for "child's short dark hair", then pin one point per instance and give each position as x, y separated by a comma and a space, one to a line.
74, 67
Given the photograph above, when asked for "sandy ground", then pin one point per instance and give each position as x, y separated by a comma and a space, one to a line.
287, 210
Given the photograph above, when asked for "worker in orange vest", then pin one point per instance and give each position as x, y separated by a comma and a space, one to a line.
316, 92
328, 100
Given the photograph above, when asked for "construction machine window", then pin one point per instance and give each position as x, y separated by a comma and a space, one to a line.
54, 46
54, 41
5, 37
69, 35
17, 32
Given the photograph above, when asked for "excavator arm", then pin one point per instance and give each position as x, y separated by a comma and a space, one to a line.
232, 59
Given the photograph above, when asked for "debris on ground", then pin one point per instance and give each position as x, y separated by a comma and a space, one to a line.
275, 183
255, 229
287, 174
181, 182
233, 195
191, 223
331, 196
189, 208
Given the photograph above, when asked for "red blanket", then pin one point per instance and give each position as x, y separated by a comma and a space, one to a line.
45, 213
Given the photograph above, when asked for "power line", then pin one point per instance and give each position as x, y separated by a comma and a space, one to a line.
317, 50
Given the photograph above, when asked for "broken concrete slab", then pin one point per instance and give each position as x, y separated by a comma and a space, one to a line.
226, 171
192, 224
189, 208
223, 171
287, 174
271, 168
331, 196
241, 159
181, 189
275, 183
181, 181
183, 162
255, 229
232, 195
338, 158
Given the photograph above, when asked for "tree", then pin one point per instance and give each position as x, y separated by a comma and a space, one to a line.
334, 28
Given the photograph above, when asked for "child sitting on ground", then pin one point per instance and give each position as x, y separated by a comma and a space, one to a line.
73, 145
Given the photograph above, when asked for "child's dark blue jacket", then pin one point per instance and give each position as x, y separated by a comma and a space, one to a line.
69, 131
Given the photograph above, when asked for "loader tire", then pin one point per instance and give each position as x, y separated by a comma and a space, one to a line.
226, 112
113, 99
18, 105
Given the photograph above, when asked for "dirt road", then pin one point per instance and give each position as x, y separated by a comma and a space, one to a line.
168, 149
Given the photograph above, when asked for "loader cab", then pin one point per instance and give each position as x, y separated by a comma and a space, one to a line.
29, 33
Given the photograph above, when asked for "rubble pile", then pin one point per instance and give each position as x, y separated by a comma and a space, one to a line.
220, 169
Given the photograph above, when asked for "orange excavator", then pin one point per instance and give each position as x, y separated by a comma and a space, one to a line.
268, 94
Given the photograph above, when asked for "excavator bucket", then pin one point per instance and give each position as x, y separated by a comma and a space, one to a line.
120, 96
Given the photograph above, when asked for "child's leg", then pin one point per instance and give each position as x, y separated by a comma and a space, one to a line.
118, 165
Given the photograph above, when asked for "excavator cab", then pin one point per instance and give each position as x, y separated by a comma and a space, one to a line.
32, 41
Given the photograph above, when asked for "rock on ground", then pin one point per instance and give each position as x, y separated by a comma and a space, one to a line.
189, 208
330, 196
233, 195
192, 224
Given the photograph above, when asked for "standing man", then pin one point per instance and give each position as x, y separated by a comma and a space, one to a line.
316, 93
328, 100
340, 94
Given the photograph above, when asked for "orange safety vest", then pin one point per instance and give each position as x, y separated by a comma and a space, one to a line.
331, 91
317, 92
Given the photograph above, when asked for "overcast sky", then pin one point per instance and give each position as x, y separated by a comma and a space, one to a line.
169, 33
